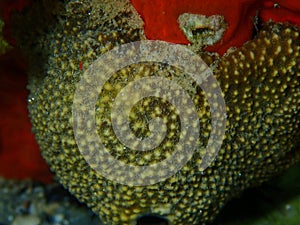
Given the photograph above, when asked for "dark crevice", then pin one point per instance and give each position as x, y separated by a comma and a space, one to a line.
152, 220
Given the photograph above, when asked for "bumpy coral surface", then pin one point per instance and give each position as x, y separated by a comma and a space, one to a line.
260, 82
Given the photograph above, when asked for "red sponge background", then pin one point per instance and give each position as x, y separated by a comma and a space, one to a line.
20, 157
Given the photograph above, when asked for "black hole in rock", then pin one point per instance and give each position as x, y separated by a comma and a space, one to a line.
152, 220
202, 31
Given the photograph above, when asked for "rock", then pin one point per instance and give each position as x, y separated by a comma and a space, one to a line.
26, 220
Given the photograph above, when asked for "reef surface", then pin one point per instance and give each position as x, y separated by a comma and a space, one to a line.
260, 83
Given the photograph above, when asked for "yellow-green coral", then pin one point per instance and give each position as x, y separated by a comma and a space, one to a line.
260, 82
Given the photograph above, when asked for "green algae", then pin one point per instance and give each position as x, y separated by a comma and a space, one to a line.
4, 46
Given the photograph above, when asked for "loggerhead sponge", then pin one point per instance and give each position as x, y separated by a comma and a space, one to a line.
261, 86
